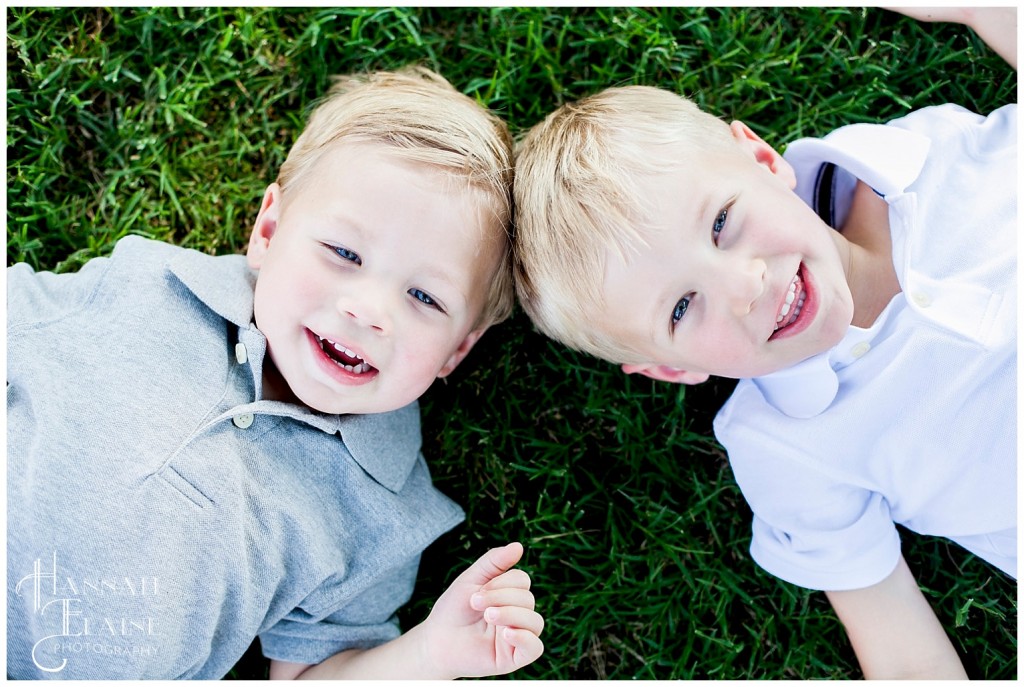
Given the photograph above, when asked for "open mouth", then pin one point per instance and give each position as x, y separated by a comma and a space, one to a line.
344, 357
794, 308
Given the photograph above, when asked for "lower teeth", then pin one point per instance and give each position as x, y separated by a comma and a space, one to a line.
359, 369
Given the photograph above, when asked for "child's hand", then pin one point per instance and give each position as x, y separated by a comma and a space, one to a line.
484, 623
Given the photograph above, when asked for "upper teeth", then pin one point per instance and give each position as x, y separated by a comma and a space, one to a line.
347, 351
790, 297
358, 369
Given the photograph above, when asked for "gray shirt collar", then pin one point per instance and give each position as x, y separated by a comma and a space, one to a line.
386, 445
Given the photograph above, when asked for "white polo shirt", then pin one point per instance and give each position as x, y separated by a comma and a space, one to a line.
913, 420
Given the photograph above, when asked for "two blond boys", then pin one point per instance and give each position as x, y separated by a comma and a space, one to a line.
701, 261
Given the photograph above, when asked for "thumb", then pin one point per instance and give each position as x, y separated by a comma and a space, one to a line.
491, 564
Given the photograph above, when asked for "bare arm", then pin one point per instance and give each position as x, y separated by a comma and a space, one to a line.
401, 659
997, 26
894, 631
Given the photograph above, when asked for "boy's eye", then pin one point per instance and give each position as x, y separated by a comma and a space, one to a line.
719, 224
680, 310
347, 254
425, 298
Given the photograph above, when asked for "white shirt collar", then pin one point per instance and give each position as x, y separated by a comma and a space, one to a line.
888, 159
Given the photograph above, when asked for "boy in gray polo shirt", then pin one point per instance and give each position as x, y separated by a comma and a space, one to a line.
202, 450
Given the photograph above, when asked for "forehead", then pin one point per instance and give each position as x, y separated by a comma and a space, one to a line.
415, 209
361, 174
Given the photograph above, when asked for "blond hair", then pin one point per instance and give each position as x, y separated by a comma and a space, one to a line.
422, 118
576, 193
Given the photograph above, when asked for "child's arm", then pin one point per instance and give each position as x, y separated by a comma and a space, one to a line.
484, 624
894, 631
997, 26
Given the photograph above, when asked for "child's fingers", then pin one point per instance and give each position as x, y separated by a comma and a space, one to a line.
492, 564
515, 577
526, 645
516, 617
508, 596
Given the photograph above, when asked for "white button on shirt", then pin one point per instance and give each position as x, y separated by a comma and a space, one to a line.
921, 298
830, 453
860, 349
243, 420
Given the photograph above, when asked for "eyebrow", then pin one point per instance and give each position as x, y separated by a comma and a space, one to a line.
703, 209
659, 312
349, 222
443, 276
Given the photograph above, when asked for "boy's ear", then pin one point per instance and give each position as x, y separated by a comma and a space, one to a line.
763, 153
265, 226
664, 373
464, 348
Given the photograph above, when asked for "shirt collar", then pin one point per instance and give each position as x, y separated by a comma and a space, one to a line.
225, 284
808, 388
385, 445
887, 158
802, 390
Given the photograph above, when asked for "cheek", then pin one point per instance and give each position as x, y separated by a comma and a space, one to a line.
298, 286
424, 351
285, 294
309, 291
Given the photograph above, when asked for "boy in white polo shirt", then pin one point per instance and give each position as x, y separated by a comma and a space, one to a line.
863, 289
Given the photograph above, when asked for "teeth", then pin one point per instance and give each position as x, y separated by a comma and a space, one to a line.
790, 295
359, 369
347, 351
785, 309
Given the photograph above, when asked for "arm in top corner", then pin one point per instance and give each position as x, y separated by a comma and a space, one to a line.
997, 26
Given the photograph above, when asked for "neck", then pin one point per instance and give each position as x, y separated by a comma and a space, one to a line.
275, 388
868, 256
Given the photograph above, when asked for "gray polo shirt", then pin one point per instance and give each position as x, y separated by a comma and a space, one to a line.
160, 515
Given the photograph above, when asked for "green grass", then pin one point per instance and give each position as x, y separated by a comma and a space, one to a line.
170, 122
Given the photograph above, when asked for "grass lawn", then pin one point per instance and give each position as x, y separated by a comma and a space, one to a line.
170, 123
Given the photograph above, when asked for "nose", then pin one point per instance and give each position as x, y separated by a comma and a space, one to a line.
744, 284
367, 305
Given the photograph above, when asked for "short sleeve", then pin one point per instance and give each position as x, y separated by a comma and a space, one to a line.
813, 526
816, 533
35, 298
366, 621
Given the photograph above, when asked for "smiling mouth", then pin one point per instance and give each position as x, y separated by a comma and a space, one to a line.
344, 357
793, 305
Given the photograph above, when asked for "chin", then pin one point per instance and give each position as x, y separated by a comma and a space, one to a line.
838, 326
